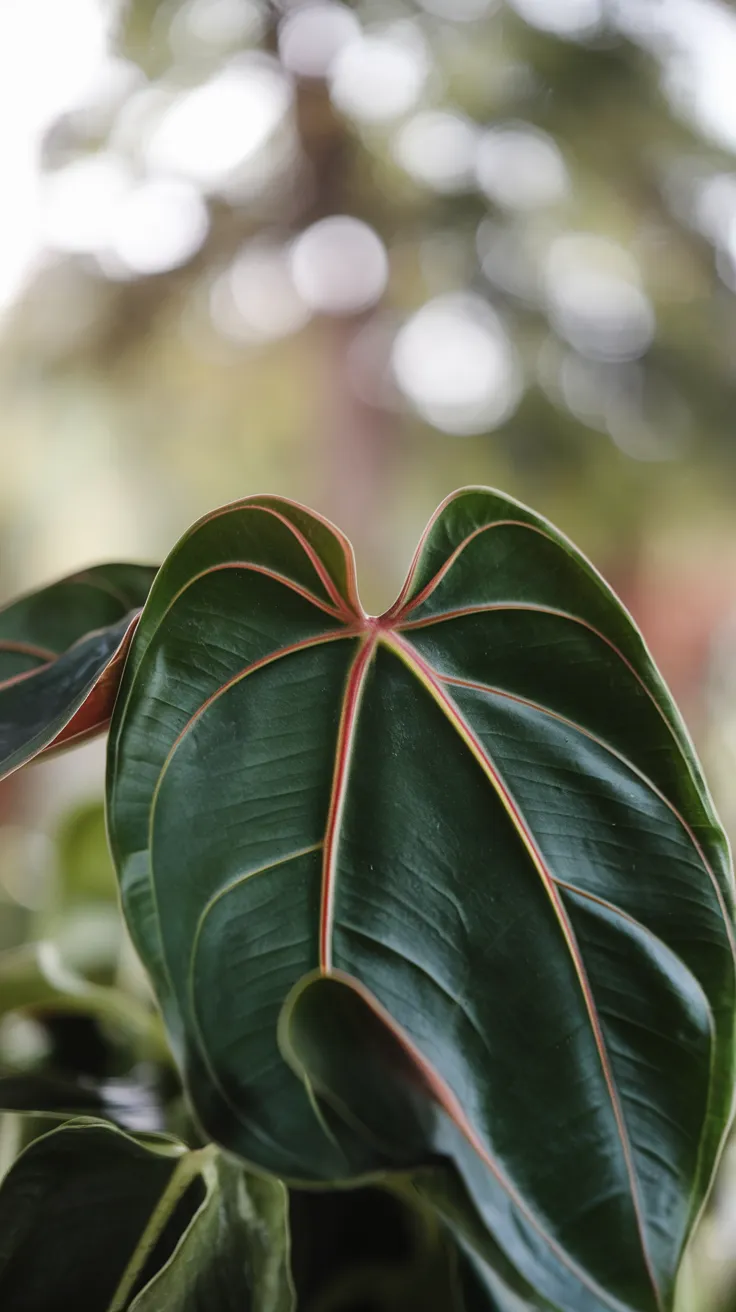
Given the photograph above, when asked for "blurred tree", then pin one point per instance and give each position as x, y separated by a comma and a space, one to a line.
543, 293
360, 254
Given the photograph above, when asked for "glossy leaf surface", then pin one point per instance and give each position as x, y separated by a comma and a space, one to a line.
483, 811
61, 656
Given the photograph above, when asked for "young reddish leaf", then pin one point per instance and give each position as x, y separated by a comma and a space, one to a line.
483, 811
62, 651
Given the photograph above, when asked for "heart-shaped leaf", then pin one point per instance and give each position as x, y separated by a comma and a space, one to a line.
482, 808
61, 656
85, 1209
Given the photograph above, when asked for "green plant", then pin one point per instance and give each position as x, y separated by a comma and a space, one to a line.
434, 903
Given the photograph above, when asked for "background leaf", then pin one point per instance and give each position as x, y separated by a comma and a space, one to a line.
72, 1208
61, 655
93, 1218
34, 979
234, 1253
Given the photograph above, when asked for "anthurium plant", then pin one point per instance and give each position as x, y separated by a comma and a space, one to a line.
434, 904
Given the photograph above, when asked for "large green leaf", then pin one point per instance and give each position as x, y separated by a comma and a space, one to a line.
482, 808
85, 1211
61, 656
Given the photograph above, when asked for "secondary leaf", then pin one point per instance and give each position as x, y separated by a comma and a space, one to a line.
483, 809
72, 1209
62, 651
234, 1253
131, 1103
85, 1209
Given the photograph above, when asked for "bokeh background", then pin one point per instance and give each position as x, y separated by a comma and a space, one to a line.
362, 254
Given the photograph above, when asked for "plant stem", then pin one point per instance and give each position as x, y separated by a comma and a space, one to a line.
186, 1170
11, 1141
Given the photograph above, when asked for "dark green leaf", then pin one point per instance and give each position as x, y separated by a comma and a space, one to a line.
73, 1208
483, 809
85, 1208
62, 651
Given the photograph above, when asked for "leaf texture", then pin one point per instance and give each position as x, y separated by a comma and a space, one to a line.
482, 811
61, 656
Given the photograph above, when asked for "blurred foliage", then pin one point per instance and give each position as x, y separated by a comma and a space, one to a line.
167, 351
86, 872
